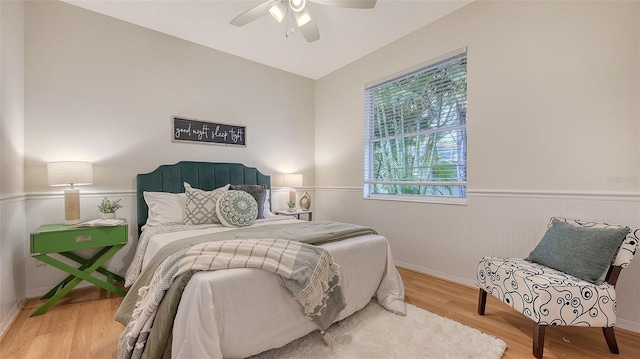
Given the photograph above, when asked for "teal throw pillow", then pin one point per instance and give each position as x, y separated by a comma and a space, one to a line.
237, 209
583, 252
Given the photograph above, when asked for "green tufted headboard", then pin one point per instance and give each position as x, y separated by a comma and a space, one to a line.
203, 175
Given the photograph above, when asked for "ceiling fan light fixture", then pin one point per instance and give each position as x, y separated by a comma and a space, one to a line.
302, 17
297, 5
307, 25
278, 11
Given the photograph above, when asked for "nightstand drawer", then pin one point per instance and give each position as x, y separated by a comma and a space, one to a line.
58, 238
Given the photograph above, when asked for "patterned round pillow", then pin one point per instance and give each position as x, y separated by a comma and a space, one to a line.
237, 209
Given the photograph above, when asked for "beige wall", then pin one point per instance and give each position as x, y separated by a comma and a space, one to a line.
552, 101
103, 90
13, 246
12, 100
553, 124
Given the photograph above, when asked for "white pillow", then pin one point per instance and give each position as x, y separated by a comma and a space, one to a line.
164, 208
266, 206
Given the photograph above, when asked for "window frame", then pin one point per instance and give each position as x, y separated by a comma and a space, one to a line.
369, 140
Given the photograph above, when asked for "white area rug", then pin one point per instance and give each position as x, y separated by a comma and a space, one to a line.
374, 332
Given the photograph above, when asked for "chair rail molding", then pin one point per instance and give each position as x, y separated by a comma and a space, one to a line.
511, 193
587, 195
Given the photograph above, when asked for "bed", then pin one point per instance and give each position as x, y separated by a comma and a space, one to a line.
240, 312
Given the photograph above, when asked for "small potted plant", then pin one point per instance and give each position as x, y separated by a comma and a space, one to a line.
292, 206
108, 208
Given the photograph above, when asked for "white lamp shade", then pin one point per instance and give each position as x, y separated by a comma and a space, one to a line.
65, 173
292, 180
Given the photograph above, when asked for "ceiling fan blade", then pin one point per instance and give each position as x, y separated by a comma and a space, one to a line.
354, 4
253, 14
310, 29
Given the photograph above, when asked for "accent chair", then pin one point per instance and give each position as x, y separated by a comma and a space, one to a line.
562, 281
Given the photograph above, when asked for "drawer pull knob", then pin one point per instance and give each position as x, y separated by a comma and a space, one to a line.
83, 238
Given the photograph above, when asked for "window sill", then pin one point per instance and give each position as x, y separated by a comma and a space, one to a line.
460, 201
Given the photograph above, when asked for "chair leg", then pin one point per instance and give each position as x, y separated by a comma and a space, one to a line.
538, 340
482, 301
610, 337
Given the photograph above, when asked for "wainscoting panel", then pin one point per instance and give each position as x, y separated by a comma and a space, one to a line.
511, 225
443, 240
12, 258
448, 240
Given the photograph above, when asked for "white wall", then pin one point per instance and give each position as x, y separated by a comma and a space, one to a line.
553, 124
12, 220
103, 90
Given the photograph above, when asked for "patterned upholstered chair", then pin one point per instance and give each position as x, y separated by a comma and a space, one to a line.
550, 296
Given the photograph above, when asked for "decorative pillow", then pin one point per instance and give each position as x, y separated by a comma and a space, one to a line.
200, 206
237, 209
583, 252
628, 248
258, 191
164, 208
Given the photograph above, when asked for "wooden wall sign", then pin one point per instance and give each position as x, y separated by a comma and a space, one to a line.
190, 130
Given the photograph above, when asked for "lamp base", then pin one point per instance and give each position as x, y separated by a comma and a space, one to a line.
71, 206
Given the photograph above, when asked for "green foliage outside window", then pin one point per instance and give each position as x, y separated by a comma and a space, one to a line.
416, 132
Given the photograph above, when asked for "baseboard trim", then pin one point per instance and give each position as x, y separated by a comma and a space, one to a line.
11, 316
621, 323
436, 273
36, 293
628, 325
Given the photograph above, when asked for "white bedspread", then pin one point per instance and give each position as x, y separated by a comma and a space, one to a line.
237, 313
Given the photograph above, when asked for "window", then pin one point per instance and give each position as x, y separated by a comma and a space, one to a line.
415, 133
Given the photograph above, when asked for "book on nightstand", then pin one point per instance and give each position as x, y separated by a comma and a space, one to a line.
100, 223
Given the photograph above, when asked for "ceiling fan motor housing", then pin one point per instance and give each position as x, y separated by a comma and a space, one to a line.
297, 5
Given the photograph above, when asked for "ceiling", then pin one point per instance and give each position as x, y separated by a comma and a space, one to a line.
345, 34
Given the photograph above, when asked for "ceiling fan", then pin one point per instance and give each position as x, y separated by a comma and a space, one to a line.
278, 9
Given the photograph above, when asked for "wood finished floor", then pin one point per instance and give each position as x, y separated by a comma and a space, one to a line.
81, 325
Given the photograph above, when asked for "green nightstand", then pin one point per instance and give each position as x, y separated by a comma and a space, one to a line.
63, 240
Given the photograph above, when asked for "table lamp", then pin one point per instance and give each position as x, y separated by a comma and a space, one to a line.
70, 173
293, 181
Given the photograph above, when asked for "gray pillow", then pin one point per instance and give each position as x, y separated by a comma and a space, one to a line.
200, 206
582, 252
258, 191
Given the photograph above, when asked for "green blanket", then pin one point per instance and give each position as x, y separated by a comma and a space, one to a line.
159, 341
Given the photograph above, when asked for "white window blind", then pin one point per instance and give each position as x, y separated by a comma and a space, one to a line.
415, 132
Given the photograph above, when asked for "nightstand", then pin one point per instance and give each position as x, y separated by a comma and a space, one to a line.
63, 240
296, 213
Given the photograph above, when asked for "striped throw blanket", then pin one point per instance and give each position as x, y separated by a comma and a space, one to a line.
308, 271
